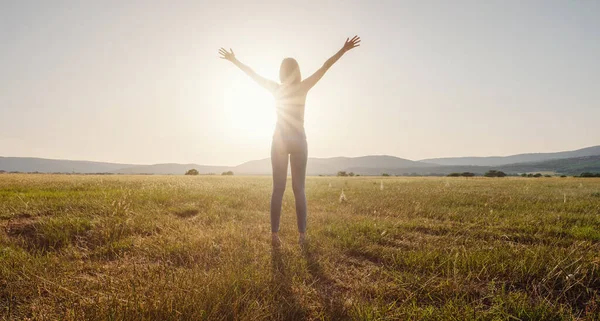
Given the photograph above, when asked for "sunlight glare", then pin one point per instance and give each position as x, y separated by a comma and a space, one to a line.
249, 110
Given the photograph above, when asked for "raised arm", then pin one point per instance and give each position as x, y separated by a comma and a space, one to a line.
309, 82
265, 83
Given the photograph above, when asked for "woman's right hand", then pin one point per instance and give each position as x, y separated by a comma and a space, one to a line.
351, 43
227, 55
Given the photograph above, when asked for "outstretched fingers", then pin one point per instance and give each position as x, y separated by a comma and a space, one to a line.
226, 54
352, 42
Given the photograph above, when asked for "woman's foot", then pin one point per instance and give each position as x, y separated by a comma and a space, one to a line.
275, 240
302, 240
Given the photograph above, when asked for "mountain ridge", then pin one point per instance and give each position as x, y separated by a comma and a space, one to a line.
365, 165
512, 159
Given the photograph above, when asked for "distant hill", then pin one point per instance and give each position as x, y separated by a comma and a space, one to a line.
521, 158
31, 164
567, 166
315, 166
366, 165
43, 165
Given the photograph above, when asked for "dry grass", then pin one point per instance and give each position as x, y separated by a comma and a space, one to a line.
194, 248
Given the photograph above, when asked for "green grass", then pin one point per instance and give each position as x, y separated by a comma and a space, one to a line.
198, 248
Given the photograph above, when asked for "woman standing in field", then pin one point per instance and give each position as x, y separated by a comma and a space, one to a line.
289, 139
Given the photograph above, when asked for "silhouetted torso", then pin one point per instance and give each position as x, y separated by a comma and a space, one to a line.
289, 103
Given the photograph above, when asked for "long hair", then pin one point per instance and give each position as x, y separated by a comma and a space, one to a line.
289, 72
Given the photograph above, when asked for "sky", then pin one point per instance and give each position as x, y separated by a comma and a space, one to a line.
140, 81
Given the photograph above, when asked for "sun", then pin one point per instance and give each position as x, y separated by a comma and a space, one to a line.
249, 110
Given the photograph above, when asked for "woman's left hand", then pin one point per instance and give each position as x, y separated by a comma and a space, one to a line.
226, 54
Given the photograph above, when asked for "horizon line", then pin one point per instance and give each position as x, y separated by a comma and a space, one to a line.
253, 160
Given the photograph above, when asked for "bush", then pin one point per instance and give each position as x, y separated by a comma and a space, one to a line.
192, 171
588, 174
342, 173
228, 173
464, 174
351, 174
495, 173
385, 174
547, 175
537, 175
563, 176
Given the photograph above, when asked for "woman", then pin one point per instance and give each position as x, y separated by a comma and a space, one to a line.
289, 138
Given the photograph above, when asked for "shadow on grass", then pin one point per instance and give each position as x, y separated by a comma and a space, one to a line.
330, 297
288, 307
186, 213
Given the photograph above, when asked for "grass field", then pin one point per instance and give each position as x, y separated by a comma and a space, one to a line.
195, 248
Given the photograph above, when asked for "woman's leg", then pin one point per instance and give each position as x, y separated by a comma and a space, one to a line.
298, 160
279, 163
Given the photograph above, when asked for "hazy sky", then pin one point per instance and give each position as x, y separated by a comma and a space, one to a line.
140, 81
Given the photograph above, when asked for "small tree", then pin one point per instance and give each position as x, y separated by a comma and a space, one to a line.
351, 174
454, 175
537, 175
589, 174
385, 174
467, 174
228, 173
494, 173
192, 171
342, 173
